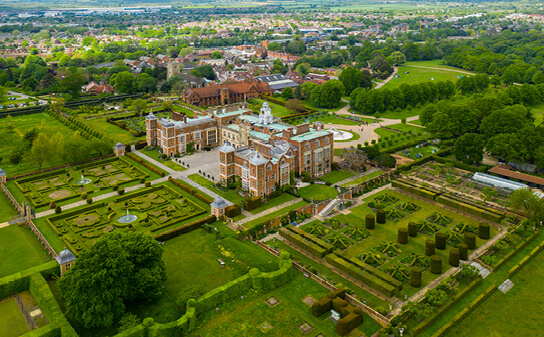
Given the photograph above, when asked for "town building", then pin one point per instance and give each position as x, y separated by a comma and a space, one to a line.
226, 94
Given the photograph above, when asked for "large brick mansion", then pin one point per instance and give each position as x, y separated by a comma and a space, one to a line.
261, 150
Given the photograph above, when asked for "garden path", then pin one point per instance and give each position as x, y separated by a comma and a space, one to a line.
265, 212
355, 177
154, 162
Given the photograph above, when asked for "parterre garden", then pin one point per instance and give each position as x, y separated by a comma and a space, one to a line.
348, 241
157, 208
62, 185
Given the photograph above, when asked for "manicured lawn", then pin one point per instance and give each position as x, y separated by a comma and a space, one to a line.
413, 152
274, 214
7, 211
12, 131
254, 317
354, 134
20, 250
335, 176
416, 122
516, 313
12, 322
364, 178
317, 192
168, 163
200, 180
273, 203
330, 119
277, 110
407, 128
187, 112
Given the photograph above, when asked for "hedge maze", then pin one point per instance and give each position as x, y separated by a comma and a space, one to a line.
60, 185
381, 241
157, 208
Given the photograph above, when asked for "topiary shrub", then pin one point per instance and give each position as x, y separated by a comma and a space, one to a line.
415, 277
436, 264
463, 251
380, 216
483, 231
440, 239
470, 240
89, 200
52, 205
429, 247
369, 221
58, 210
115, 187
84, 195
121, 191
454, 257
148, 184
142, 180
402, 235
412, 229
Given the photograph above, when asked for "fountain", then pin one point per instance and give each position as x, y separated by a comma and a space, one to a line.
340, 135
127, 218
82, 181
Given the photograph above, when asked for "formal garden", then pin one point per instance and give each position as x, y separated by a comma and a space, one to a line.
80, 182
390, 232
149, 210
456, 180
317, 192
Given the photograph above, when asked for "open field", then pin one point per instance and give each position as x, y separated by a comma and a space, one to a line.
254, 317
20, 250
418, 75
12, 322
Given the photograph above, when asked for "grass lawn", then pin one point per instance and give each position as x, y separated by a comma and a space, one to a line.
197, 178
509, 314
277, 110
335, 176
418, 75
12, 131
407, 128
413, 152
187, 112
113, 131
12, 322
168, 163
364, 178
254, 317
7, 211
330, 119
354, 134
273, 203
416, 122
21, 250
317, 192
272, 215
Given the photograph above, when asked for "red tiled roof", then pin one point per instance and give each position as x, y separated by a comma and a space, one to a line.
506, 171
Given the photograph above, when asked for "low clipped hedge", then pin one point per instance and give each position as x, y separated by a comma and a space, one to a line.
174, 232
19, 282
414, 188
306, 241
518, 248
193, 191
444, 308
526, 259
233, 210
146, 164
471, 208
467, 310
252, 203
